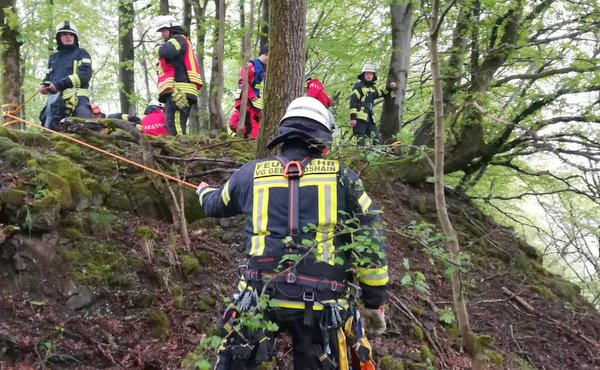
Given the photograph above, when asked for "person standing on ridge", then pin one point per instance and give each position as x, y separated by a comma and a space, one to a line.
362, 101
178, 74
256, 70
67, 80
304, 212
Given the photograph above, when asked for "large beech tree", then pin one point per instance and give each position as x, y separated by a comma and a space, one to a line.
285, 70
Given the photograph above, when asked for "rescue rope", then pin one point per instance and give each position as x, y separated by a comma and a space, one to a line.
17, 109
149, 169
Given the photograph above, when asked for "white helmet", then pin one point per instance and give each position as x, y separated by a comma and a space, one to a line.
308, 107
66, 26
368, 67
156, 103
165, 21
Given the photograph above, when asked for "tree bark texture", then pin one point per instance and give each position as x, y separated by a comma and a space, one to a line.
10, 58
217, 118
393, 107
164, 7
202, 106
264, 23
287, 25
126, 56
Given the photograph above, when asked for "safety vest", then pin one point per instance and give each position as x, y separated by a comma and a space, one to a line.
166, 73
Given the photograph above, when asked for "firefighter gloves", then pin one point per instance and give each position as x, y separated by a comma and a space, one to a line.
375, 320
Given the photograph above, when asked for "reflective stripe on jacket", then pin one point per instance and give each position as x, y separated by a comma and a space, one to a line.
330, 196
70, 70
178, 66
363, 99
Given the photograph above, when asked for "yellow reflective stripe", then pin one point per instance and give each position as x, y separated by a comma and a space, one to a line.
225, 194
327, 213
373, 276
260, 215
357, 94
365, 202
67, 93
75, 80
204, 192
166, 86
187, 87
175, 43
177, 122
318, 306
86, 60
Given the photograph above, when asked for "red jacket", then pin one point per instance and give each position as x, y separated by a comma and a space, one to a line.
317, 90
154, 123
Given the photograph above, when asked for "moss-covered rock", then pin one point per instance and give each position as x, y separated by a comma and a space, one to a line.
73, 234
189, 264
13, 198
68, 150
416, 331
6, 144
18, 156
494, 357
44, 214
100, 222
143, 300
159, 324
426, 354
388, 363
542, 290
70, 172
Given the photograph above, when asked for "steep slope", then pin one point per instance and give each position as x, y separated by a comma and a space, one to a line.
97, 277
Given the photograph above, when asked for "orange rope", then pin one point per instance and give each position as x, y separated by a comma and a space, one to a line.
26, 101
8, 114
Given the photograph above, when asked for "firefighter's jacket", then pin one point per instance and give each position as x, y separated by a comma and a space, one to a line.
70, 70
178, 68
330, 195
315, 89
362, 99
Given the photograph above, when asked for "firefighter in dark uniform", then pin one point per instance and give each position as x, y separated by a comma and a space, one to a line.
178, 74
67, 79
296, 203
362, 101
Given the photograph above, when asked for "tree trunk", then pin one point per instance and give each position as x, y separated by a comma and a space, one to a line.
264, 23
164, 7
245, 58
393, 107
460, 307
187, 16
217, 118
287, 28
202, 107
11, 59
126, 56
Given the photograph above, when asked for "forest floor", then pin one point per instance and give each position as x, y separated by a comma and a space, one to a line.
151, 316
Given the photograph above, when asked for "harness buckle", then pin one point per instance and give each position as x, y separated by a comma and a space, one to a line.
308, 296
293, 170
334, 285
291, 277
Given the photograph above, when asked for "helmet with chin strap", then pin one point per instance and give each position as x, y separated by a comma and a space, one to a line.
305, 119
66, 27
